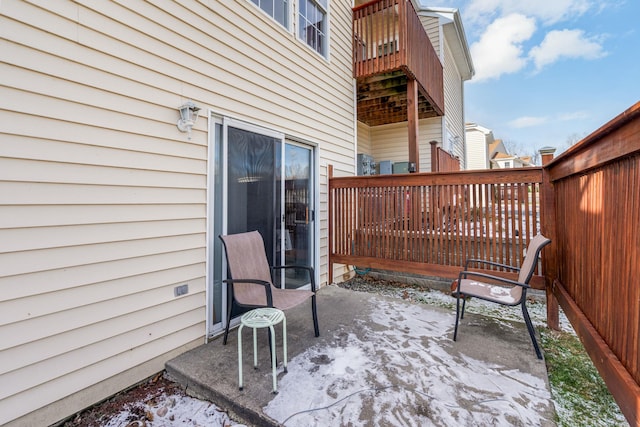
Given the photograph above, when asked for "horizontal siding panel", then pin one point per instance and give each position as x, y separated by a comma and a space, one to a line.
100, 341
69, 173
59, 132
18, 216
78, 93
254, 47
149, 49
75, 114
31, 307
56, 64
24, 193
259, 56
91, 316
36, 397
49, 282
27, 239
50, 259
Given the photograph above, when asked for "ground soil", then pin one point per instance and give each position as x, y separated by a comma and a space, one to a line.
136, 400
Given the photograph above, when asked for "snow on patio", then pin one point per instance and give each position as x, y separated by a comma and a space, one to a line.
350, 382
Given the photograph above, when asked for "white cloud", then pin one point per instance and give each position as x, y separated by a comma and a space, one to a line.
576, 115
499, 50
560, 44
532, 121
527, 121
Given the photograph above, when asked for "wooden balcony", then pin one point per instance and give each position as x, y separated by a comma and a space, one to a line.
390, 47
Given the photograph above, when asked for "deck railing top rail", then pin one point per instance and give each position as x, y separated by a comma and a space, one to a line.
493, 176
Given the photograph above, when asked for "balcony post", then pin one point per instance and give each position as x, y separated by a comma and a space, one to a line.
412, 118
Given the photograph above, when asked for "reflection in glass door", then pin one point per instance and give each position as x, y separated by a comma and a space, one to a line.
251, 186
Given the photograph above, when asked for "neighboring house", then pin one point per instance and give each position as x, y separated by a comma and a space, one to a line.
504, 160
479, 145
483, 151
109, 215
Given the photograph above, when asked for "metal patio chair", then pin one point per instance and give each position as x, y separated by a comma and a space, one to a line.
498, 289
250, 283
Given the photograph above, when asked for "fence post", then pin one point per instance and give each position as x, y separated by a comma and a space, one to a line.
548, 226
434, 156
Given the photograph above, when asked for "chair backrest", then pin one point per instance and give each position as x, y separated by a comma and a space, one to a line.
247, 259
531, 258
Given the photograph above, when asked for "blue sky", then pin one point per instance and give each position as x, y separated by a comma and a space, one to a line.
549, 70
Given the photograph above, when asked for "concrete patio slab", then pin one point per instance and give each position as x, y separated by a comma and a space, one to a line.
378, 361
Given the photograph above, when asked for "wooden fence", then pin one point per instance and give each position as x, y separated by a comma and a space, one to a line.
592, 214
442, 161
430, 223
587, 201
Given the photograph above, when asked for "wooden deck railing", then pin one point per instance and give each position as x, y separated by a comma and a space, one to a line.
388, 36
587, 201
442, 161
431, 223
593, 218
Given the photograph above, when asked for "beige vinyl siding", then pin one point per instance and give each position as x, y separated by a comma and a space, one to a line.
453, 105
476, 150
389, 142
103, 200
431, 25
364, 138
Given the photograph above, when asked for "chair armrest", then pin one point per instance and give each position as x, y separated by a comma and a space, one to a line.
267, 287
496, 264
466, 274
312, 275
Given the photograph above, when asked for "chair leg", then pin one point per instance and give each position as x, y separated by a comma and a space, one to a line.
226, 330
455, 331
315, 315
532, 332
464, 305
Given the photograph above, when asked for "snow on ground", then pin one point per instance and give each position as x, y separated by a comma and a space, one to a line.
452, 391
446, 389
171, 410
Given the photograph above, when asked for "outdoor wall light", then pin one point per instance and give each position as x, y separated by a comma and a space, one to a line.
188, 117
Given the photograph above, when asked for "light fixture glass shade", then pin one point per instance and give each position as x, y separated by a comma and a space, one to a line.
188, 116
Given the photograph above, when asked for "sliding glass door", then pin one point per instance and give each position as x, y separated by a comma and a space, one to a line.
259, 181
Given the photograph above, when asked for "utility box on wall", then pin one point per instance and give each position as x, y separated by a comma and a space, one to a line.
385, 167
365, 165
401, 167
404, 167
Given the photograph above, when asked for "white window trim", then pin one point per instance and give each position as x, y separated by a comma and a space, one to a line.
327, 47
291, 15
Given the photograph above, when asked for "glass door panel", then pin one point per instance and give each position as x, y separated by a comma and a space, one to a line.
298, 212
251, 186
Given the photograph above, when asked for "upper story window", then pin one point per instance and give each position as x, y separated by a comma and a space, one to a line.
313, 19
277, 9
312, 24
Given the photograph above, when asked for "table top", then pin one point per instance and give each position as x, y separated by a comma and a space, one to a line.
262, 317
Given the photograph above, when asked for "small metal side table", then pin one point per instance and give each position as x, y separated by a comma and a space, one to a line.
263, 318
